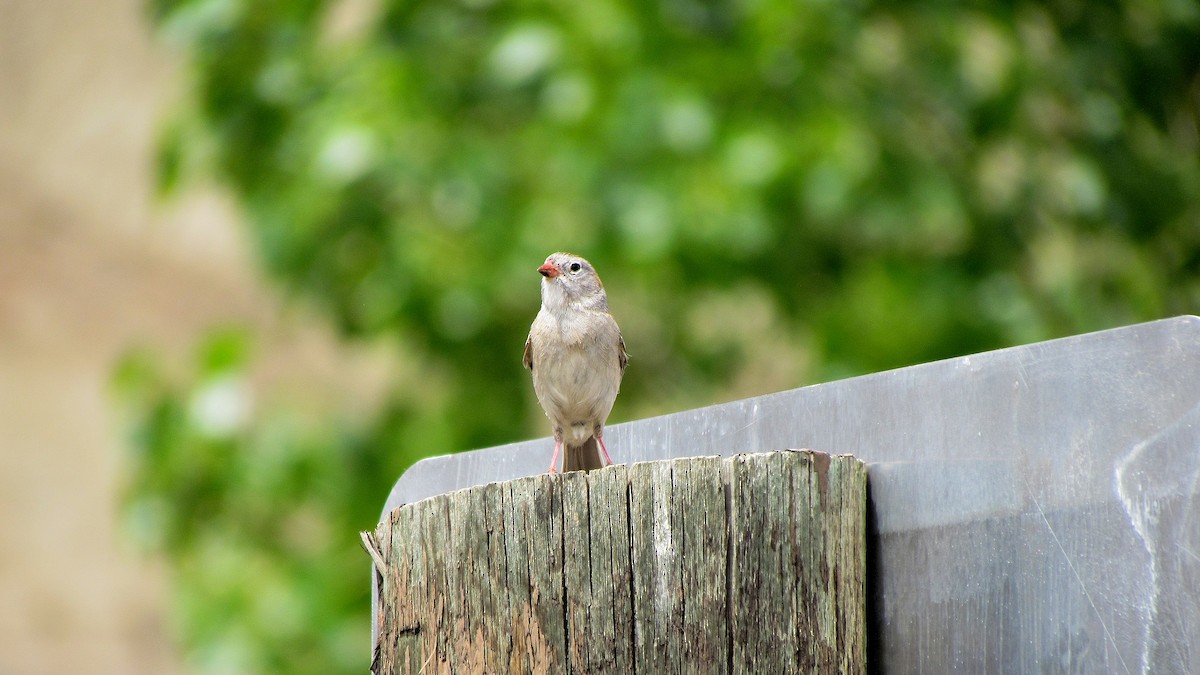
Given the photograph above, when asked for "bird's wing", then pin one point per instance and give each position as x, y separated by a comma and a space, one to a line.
622, 355
527, 357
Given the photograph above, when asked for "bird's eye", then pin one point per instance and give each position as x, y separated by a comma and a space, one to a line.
575, 267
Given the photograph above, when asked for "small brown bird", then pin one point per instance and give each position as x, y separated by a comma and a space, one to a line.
577, 357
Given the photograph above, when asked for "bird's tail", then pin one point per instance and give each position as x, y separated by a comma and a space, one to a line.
583, 457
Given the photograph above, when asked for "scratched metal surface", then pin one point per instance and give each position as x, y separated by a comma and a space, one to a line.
1036, 507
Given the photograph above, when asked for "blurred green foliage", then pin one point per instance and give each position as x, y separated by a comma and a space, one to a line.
775, 192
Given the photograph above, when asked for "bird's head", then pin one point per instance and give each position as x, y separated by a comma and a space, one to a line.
568, 279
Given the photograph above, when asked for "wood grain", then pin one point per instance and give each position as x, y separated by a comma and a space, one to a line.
751, 564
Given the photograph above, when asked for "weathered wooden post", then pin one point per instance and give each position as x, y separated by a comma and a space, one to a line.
751, 564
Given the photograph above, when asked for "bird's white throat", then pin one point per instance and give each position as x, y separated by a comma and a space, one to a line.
554, 295
557, 297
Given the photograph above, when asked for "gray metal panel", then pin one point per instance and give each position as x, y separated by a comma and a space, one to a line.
1036, 507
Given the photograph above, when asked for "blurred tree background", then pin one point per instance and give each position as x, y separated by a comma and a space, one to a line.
776, 193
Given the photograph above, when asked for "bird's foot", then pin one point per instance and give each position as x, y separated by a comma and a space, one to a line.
608, 460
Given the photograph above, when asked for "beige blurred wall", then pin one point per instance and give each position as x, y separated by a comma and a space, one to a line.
90, 264
87, 266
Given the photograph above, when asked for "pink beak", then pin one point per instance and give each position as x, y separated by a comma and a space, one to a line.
548, 270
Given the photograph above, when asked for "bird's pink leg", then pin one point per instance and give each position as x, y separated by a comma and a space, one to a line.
604, 450
554, 459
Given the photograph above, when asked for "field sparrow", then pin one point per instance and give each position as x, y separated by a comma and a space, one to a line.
577, 357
